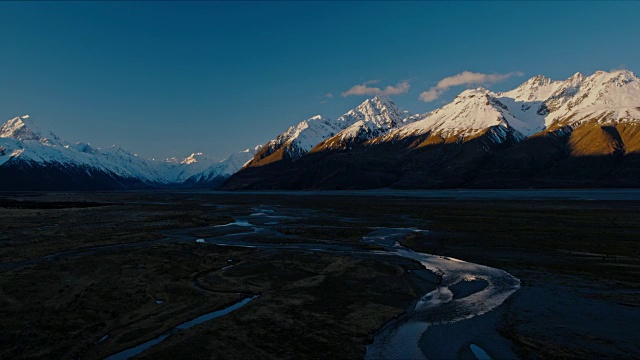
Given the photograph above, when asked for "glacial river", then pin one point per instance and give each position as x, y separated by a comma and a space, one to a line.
131, 352
465, 290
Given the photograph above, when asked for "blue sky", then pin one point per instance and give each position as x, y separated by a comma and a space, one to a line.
170, 78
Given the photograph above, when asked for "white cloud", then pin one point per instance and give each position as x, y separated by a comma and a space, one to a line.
429, 95
464, 78
364, 89
328, 96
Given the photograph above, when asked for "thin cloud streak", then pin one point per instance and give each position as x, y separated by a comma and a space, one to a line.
325, 98
464, 78
364, 89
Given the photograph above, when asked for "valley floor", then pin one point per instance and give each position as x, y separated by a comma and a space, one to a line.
76, 267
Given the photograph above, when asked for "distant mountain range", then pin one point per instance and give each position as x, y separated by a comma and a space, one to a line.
35, 159
580, 132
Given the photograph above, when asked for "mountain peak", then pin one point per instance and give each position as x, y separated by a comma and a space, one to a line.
623, 76
539, 80
625, 72
617, 78
20, 128
198, 158
191, 158
470, 114
378, 102
576, 78
470, 93
378, 110
23, 128
381, 99
222, 169
255, 148
538, 88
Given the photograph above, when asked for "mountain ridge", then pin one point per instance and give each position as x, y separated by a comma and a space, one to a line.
531, 136
434, 149
28, 152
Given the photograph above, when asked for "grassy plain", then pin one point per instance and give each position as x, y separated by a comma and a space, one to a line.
75, 267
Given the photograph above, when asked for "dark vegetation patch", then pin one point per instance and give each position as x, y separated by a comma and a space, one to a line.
26, 204
312, 305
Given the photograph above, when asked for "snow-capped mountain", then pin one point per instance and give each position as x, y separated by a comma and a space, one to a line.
526, 102
605, 96
23, 141
542, 103
538, 88
537, 104
223, 169
176, 170
297, 140
543, 129
370, 119
470, 114
374, 117
22, 128
584, 130
33, 158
